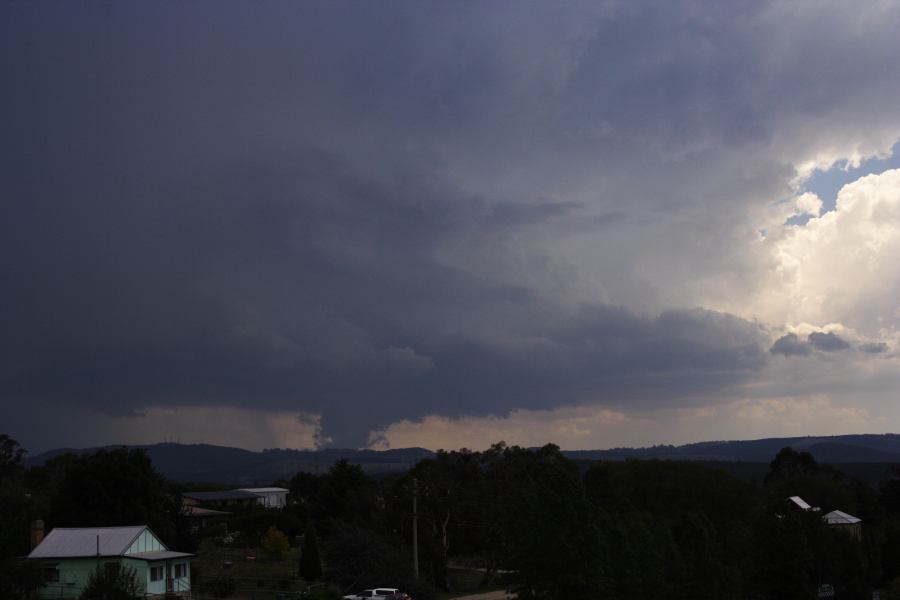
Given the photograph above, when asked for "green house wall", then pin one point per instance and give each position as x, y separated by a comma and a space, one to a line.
74, 574
146, 542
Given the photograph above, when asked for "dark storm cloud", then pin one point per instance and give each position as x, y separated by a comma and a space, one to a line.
874, 347
790, 345
827, 342
348, 209
298, 283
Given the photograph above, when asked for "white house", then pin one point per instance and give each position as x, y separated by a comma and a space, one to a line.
270, 497
69, 556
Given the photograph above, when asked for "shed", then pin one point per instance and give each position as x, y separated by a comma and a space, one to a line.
845, 522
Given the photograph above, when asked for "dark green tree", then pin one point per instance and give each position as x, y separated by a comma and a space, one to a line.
356, 558
549, 536
790, 463
347, 495
112, 487
310, 561
11, 454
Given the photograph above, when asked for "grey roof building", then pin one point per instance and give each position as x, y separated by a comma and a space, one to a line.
69, 556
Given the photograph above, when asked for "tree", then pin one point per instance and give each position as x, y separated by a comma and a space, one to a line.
447, 488
310, 561
112, 487
112, 582
354, 555
348, 495
549, 536
790, 463
11, 454
275, 543
18, 507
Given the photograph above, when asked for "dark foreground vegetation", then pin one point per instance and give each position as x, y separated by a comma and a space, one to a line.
532, 521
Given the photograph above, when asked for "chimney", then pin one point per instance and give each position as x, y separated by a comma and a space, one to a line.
37, 533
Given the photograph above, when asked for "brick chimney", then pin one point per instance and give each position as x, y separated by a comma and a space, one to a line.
37, 533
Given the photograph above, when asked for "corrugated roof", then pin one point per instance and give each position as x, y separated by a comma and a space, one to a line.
839, 517
196, 511
159, 555
214, 496
800, 502
65, 542
264, 490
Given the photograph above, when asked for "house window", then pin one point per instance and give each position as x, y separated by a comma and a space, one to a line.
180, 570
51, 573
156, 573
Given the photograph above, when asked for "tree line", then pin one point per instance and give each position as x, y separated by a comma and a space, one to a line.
532, 520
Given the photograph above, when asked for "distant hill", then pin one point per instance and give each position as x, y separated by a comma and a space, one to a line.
204, 463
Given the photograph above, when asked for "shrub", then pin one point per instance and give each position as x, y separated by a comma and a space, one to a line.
113, 582
275, 543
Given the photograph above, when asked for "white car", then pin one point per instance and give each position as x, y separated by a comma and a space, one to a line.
373, 594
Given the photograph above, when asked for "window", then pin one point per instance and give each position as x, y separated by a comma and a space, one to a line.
156, 573
180, 570
51, 573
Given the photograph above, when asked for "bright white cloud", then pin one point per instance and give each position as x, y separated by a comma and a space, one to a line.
840, 268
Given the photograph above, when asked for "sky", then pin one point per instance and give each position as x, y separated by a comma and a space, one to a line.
392, 224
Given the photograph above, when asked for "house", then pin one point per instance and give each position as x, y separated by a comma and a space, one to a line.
842, 521
68, 557
270, 497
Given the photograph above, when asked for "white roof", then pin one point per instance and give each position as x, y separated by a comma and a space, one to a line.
159, 555
839, 517
265, 490
64, 542
800, 502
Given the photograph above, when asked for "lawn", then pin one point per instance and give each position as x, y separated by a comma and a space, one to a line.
254, 575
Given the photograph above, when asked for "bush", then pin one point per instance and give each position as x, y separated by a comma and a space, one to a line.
275, 543
113, 582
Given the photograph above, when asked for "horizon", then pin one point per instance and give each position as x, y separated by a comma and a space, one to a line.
436, 224
29, 453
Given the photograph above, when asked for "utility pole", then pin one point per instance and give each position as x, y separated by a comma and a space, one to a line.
415, 516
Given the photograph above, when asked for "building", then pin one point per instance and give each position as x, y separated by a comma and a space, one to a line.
226, 498
842, 521
270, 497
199, 517
68, 557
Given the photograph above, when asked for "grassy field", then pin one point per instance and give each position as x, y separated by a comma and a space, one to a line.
261, 578
255, 576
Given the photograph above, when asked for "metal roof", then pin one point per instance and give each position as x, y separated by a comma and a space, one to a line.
159, 555
227, 495
65, 542
196, 511
800, 502
839, 517
265, 490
